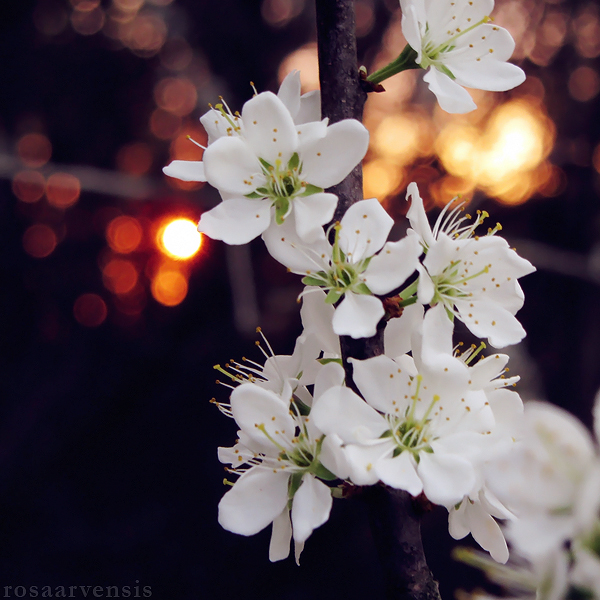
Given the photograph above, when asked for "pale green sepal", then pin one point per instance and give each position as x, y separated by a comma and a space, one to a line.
294, 483
362, 288
326, 361
313, 281
282, 209
321, 472
294, 161
311, 189
254, 195
333, 296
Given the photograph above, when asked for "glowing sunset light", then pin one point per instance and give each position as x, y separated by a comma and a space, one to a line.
180, 239
169, 287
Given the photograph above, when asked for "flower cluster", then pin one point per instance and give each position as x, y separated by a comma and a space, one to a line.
551, 482
429, 419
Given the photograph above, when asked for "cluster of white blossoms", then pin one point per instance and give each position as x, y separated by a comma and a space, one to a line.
551, 483
423, 417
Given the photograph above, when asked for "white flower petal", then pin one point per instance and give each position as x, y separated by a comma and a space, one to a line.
398, 332
269, 128
492, 321
253, 406
289, 92
362, 461
256, 499
284, 245
446, 479
364, 229
341, 411
231, 165
494, 76
236, 221
417, 216
281, 536
451, 97
410, 26
217, 125
310, 108
317, 318
310, 508
382, 383
328, 160
393, 265
331, 375
358, 315
400, 473
486, 532
186, 170
309, 133
457, 526
311, 213
425, 286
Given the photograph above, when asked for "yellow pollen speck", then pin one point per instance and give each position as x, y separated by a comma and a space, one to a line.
493, 322
468, 19
240, 458
274, 130
468, 408
318, 154
491, 50
391, 376
470, 315
272, 418
478, 59
476, 322
357, 231
369, 467
447, 418
274, 139
399, 370
483, 37
470, 45
470, 382
254, 122
445, 368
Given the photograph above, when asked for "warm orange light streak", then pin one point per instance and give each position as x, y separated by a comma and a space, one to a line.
169, 286
180, 239
124, 234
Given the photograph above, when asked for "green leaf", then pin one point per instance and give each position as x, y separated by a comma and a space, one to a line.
333, 296
311, 189
294, 161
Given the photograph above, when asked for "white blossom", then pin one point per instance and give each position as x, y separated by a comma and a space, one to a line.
426, 421
459, 44
358, 265
281, 459
474, 277
268, 167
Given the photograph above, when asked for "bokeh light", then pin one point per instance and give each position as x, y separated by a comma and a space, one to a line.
87, 22
176, 95
135, 158
180, 239
305, 60
34, 149
28, 186
169, 286
164, 125
124, 234
39, 240
90, 310
584, 84
119, 275
62, 190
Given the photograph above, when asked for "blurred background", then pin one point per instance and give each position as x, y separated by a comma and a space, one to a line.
114, 310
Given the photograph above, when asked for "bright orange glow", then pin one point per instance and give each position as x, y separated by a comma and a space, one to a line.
180, 239
135, 159
39, 240
176, 95
28, 186
119, 275
90, 310
169, 287
124, 234
381, 178
502, 158
305, 60
401, 138
62, 190
34, 149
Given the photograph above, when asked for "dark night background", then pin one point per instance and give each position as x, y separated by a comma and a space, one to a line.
108, 468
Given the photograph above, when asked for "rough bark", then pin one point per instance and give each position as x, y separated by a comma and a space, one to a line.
395, 524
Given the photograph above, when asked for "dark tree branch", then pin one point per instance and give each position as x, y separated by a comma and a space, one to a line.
396, 526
